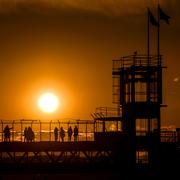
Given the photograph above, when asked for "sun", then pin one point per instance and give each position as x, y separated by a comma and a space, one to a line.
48, 102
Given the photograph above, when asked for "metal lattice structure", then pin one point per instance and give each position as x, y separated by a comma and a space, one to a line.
44, 149
137, 89
54, 152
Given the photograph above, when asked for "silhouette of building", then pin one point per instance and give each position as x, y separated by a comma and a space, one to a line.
127, 138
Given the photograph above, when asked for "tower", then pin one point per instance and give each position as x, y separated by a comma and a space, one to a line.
137, 90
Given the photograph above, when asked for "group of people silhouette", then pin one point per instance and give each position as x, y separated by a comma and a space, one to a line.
70, 132
29, 135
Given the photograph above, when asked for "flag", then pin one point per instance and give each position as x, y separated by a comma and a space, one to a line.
152, 19
163, 16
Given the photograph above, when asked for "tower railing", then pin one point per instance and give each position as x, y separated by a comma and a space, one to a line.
106, 112
136, 60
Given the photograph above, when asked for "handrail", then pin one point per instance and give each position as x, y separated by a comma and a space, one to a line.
137, 60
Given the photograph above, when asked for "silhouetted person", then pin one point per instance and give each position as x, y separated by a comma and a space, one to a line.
25, 134
7, 133
56, 133
70, 132
62, 134
30, 135
76, 132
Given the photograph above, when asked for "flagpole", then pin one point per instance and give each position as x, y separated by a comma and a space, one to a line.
148, 64
148, 38
158, 36
159, 72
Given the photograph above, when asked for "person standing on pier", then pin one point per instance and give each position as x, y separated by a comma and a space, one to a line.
76, 132
25, 134
7, 133
30, 135
62, 134
70, 132
56, 134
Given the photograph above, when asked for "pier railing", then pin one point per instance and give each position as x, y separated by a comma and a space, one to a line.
44, 130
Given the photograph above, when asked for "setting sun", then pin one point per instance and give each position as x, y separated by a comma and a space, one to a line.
48, 102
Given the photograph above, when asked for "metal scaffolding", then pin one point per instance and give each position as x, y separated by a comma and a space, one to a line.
137, 89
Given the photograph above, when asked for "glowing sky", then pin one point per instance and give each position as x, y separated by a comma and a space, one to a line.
67, 47
108, 7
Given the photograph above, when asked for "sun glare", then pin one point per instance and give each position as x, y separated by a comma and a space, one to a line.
48, 102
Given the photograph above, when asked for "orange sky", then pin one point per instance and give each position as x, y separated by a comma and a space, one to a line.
68, 47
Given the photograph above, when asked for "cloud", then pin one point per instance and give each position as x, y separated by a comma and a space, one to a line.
107, 7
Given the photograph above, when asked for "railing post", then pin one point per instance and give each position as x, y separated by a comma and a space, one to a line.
50, 131
13, 131
2, 131
86, 130
21, 130
78, 130
40, 131
59, 130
